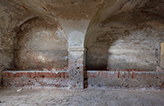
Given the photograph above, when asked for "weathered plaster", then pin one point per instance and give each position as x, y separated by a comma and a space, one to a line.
124, 79
115, 34
76, 68
128, 40
40, 44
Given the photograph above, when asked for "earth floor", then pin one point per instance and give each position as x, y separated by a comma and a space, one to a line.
86, 97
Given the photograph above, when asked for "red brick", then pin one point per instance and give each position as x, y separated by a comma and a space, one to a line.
10, 74
17, 75
28, 75
112, 75
99, 74
54, 75
92, 74
51, 74
48, 75
33, 75
62, 74
42, 75
133, 75
119, 74
36, 75
66, 75
104, 74
59, 75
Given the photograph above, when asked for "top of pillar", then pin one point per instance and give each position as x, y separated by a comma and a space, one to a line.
76, 49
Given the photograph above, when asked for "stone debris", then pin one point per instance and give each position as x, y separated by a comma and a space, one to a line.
19, 90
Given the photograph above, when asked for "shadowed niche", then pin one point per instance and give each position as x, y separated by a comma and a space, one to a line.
126, 41
40, 43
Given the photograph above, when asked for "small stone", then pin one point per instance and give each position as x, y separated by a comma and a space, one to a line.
19, 90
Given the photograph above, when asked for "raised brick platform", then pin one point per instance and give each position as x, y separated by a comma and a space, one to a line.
35, 78
93, 79
142, 79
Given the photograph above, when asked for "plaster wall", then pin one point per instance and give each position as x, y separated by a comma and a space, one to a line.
6, 41
39, 45
128, 40
49, 35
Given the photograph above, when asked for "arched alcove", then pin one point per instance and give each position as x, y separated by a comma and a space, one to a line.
125, 40
40, 44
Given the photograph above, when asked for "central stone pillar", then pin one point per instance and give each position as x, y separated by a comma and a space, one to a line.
76, 67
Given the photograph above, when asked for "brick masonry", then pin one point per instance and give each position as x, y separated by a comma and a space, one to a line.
144, 79
35, 78
93, 79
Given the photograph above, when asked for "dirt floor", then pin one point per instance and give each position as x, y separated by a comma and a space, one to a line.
86, 97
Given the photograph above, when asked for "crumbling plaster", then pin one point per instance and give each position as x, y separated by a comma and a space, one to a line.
128, 40
73, 16
40, 44
78, 19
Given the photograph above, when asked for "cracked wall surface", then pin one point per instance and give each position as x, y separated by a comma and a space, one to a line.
54, 35
34, 44
127, 40
40, 44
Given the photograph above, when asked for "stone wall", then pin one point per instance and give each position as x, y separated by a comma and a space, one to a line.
49, 36
128, 40
40, 44
6, 42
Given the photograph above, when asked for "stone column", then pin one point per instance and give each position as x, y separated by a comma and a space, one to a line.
76, 67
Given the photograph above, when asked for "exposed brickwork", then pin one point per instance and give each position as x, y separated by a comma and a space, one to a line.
21, 78
125, 79
94, 79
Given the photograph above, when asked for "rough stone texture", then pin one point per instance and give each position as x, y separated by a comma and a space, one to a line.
116, 31
72, 15
69, 17
6, 42
40, 44
76, 68
36, 79
51, 97
125, 79
129, 40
